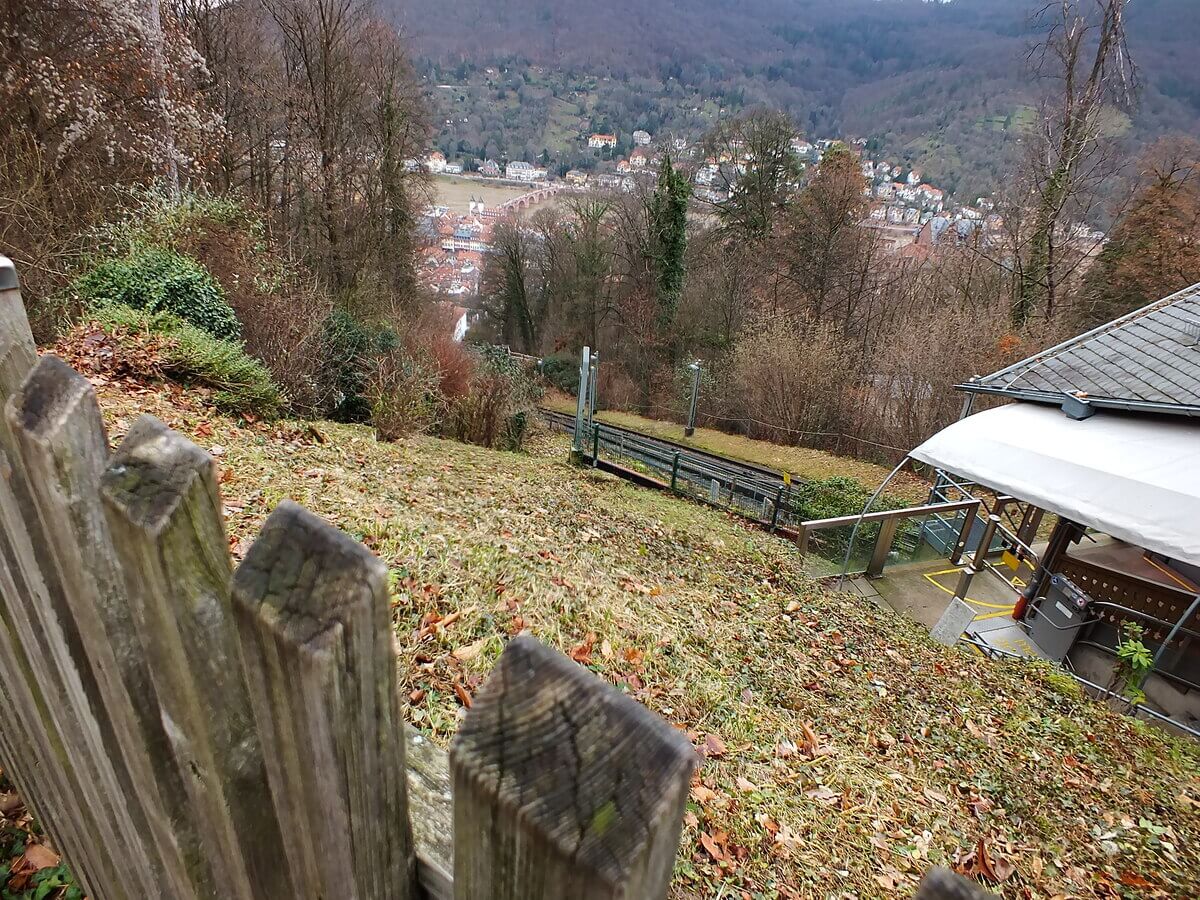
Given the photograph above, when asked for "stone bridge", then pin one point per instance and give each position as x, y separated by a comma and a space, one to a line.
516, 204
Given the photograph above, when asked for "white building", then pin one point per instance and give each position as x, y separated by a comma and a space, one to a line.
600, 141
523, 171
641, 138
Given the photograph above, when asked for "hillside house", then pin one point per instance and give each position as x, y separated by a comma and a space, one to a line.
576, 177
931, 197
435, 162
914, 178
707, 174
640, 158
601, 141
641, 138
490, 169
624, 167
1102, 432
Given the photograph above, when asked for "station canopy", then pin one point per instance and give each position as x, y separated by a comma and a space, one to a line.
1133, 477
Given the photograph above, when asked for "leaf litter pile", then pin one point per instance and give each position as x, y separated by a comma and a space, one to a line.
844, 752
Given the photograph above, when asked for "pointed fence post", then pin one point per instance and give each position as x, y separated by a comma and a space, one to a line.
315, 629
56, 423
160, 495
564, 787
51, 716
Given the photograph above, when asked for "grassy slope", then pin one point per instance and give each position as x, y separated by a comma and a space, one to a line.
854, 750
801, 462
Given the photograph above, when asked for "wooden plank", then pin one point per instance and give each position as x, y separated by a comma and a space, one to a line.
431, 811
33, 751
56, 423
314, 622
161, 502
564, 787
56, 759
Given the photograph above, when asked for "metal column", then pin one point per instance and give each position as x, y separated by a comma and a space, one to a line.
581, 407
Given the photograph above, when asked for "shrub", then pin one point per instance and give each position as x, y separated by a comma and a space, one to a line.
404, 395
157, 280
186, 353
837, 496
280, 306
351, 351
496, 408
562, 372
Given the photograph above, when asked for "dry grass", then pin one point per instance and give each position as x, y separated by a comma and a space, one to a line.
801, 462
847, 753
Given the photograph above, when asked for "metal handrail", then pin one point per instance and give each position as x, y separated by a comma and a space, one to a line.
905, 513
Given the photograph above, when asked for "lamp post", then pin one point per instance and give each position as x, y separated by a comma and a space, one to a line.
691, 420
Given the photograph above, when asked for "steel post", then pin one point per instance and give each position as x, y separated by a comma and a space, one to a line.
964, 533
883, 546
581, 405
593, 384
977, 559
691, 422
674, 470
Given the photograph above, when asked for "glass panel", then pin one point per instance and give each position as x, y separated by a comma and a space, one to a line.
827, 549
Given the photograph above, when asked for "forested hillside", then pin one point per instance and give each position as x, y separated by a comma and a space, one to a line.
945, 84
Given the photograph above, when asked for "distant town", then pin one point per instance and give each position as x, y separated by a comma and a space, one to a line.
910, 213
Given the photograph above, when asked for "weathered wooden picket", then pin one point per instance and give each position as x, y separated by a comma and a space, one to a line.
185, 730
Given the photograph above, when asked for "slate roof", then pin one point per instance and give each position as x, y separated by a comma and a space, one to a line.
1146, 361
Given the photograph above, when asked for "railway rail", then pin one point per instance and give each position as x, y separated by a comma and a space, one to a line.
756, 492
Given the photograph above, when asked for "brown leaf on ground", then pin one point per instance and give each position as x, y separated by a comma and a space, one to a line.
463, 697
981, 863
713, 746
582, 653
710, 844
468, 652
39, 856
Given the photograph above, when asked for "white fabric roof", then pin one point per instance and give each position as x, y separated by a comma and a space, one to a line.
1137, 479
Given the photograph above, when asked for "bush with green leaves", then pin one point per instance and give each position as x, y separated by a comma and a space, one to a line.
352, 350
156, 280
241, 384
840, 495
562, 372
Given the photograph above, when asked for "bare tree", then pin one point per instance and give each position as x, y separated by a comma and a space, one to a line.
1084, 61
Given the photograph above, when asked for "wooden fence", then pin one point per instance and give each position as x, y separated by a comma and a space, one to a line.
186, 730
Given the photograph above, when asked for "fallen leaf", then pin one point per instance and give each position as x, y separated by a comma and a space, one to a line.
823, 795
745, 785
702, 794
468, 652
582, 653
711, 846
463, 697
39, 856
714, 746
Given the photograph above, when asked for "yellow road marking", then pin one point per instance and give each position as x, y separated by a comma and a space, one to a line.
1005, 609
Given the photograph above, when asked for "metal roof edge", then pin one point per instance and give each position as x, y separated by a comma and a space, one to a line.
1050, 398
